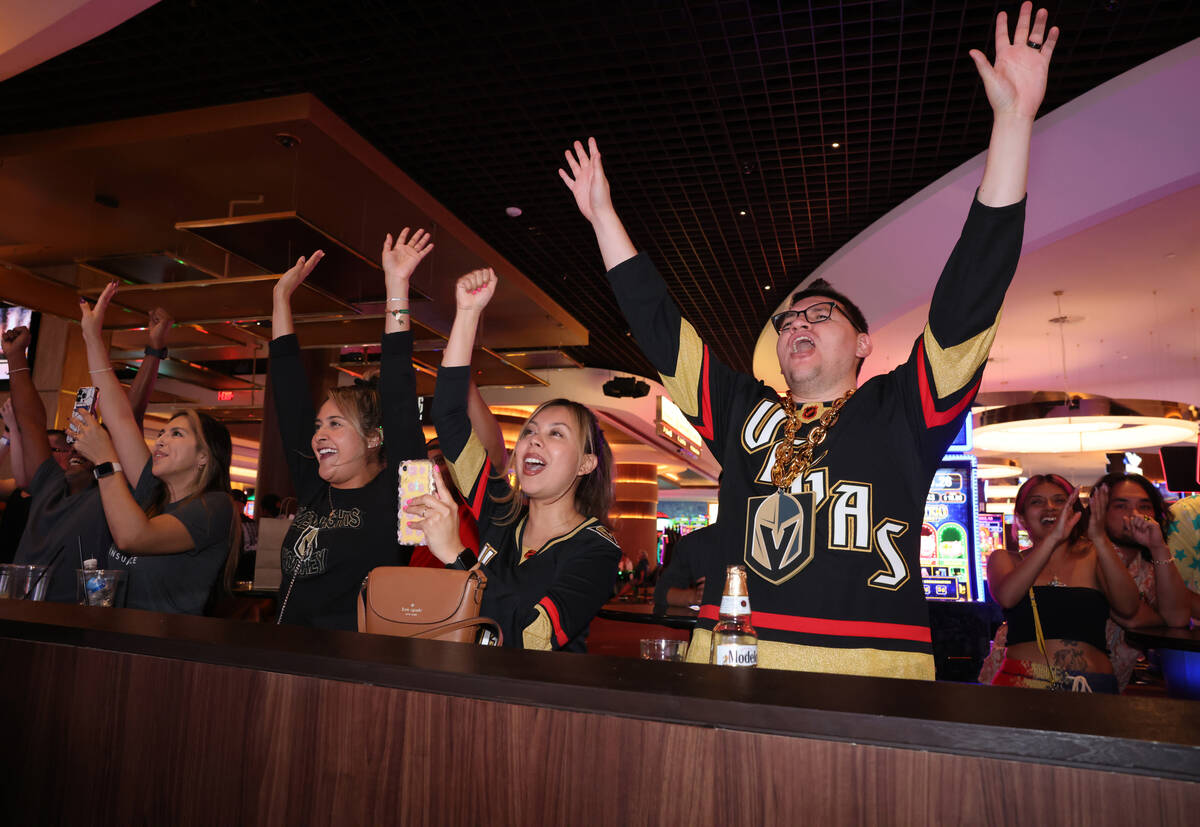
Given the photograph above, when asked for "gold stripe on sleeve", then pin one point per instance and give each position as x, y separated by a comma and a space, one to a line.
467, 468
684, 386
953, 367
699, 650
537, 634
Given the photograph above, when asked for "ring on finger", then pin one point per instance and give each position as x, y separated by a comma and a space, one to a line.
1033, 45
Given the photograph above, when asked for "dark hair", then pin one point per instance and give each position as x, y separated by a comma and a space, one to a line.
56, 432
822, 288
594, 490
1156, 499
1023, 494
213, 439
266, 506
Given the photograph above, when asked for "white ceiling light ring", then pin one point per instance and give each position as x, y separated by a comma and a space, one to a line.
1084, 424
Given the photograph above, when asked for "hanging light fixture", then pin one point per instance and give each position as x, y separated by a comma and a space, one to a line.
1061, 423
1084, 423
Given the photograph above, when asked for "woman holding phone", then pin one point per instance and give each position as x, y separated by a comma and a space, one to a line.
547, 555
177, 529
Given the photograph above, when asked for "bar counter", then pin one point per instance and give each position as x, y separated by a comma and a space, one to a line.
121, 716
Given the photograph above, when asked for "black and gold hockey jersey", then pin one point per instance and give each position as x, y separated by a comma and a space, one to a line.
835, 583
543, 598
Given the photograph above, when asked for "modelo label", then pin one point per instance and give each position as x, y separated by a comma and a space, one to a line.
732, 654
735, 605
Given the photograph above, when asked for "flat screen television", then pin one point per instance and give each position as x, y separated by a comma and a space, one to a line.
14, 316
1181, 467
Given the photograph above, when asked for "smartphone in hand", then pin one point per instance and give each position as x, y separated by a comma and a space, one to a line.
85, 400
416, 479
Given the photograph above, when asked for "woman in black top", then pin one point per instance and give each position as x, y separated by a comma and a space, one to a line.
344, 474
1072, 580
548, 557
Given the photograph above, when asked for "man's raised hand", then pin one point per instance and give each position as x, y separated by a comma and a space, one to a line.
1016, 84
586, 180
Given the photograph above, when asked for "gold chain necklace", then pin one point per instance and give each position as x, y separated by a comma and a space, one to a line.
791, 460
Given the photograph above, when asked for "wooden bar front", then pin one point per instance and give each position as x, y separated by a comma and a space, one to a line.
127, 717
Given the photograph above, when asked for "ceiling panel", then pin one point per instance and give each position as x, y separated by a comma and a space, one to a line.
718, 119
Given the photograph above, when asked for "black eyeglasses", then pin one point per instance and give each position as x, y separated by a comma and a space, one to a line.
813, 314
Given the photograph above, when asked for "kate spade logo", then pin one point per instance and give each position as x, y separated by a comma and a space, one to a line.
411, 610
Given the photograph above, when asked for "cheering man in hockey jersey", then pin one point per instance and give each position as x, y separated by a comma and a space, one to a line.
824, 491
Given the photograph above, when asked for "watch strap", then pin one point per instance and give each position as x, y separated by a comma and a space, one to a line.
106, 469
161, 352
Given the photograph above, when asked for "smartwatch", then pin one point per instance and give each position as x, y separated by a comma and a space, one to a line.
161, 352
106, 469
465, 561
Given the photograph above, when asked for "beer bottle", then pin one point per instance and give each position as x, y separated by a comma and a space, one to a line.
734, 641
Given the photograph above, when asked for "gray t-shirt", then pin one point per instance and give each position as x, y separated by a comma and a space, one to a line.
179, 583
63, 530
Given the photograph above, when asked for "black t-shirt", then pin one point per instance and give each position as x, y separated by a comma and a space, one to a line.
178, 583
63, 530
340, 534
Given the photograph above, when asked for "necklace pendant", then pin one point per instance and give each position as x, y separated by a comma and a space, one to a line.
1054, 581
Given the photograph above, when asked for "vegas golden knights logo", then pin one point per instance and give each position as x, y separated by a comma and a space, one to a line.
779, 535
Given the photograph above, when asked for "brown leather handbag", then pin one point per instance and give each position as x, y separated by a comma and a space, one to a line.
442, 604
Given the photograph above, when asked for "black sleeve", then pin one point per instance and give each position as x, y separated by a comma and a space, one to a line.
480, 485
294, 414
581, 587
704, 388
402, 434
945, 368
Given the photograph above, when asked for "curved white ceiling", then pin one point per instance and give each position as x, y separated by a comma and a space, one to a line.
1113, 221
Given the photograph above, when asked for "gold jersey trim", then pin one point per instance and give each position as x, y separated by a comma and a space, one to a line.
519, 531
537, 634
877, 663
684, 386
466, 469
953, 367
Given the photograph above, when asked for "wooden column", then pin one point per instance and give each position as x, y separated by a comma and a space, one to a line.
635, 508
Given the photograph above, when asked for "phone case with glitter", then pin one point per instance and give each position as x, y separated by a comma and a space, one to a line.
416, 478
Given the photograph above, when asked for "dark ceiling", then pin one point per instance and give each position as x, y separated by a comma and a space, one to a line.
703, 111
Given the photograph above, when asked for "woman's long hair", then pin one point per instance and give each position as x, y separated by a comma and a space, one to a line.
594, 490
1156, 499
212, 438
1023, 495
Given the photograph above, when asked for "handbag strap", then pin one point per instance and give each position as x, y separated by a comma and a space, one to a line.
1041, 638
435, 631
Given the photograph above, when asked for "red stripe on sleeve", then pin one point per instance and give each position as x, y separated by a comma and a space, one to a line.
481, 485
826, 626
560, 637
705, 428
934, 417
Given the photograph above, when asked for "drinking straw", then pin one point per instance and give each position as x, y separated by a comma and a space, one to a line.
30, 589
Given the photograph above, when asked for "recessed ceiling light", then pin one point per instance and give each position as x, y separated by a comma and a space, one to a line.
835, 145
741, 212
766, 287
512, 212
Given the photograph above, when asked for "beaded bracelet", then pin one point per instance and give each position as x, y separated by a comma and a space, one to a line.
1166, 562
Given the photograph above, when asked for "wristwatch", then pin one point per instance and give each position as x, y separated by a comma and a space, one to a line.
465, 561
161, 352
106, 469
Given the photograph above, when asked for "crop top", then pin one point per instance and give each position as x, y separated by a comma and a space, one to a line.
1066, 612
